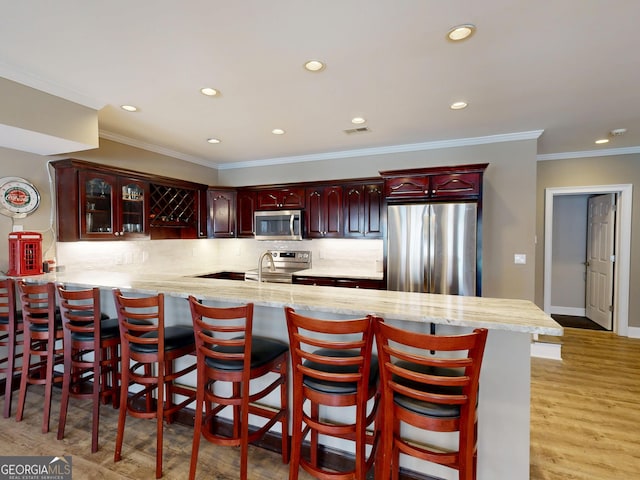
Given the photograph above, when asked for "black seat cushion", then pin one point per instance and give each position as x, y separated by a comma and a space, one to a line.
428, 409
43, 327
4, 319
175, 337
338, 388
263, 351
108, 329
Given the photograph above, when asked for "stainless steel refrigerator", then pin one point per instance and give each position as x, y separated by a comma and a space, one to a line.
432, 248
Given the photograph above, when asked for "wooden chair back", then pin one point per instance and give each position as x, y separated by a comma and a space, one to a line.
430, 382
224, 336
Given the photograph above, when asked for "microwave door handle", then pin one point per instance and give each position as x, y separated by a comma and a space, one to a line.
291, 217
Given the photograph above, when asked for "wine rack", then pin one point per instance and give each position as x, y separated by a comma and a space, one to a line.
172, 206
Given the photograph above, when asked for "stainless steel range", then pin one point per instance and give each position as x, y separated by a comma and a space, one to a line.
279, 266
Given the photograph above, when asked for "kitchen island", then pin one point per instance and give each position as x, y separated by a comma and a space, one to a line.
503, 452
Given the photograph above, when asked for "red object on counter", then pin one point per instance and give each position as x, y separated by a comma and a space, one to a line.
25, 254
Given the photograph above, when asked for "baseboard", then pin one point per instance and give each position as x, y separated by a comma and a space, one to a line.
552, 351
633, 332
573, 311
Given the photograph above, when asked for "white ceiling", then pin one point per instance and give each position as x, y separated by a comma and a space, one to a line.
568, 68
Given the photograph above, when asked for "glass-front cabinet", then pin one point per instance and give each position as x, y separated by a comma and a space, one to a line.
112, 207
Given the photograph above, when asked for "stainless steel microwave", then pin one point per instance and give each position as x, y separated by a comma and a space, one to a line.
278, 225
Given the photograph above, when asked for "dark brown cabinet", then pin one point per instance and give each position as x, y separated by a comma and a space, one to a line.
340, 282
364, 210
280, 198
222, 213
96, 202
245, 206
323, 213
108, 207
436, 183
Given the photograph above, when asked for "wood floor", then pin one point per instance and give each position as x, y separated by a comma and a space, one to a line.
585, 410
585, 425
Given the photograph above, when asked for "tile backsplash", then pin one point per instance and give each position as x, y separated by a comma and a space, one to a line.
203, 255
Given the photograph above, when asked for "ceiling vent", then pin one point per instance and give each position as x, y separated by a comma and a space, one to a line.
351, 131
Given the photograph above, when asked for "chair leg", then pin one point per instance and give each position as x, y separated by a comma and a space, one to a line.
48, 386
22, 392
122, 414
296, 438
11, 362
98, 385
197, 428
284, 404
315, 415
160, 419
244, 436
66, 387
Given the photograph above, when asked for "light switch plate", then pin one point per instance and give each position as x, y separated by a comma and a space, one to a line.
520, 259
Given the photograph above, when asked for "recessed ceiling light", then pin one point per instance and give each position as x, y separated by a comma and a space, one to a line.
213, 140
314, 65
602, 140
129, 108
358, 120
460, 32
277, 131
209, 92
458, 105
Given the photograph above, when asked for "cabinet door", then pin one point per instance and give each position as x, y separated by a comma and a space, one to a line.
323, 215
363, 210
360, 283
132, 218
318, 281
280, 198
456, 185
374, 210
222, 213
407, 187
245, 206
98, 205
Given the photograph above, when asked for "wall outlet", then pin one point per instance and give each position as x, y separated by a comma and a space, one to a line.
520, 259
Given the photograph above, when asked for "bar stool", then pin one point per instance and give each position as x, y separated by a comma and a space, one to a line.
91, 362
333, 367
430, 391
42, 340
10, 336
229, 352
151, 346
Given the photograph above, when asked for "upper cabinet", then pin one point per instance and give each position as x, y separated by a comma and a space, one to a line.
364, 209
437, 183
245, 206
96, 202
281, 198
112, 206
222, 213
323, 213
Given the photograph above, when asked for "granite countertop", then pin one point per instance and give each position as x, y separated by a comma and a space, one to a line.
501, 314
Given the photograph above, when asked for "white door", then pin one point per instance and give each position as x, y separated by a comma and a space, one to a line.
600, 259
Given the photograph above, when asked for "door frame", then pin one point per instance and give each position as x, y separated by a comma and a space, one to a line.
623, 247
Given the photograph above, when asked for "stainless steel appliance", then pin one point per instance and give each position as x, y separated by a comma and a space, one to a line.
278, 225
285, 264
432, 248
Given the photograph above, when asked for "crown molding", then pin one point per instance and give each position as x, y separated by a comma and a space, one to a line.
588, 153
411, 147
